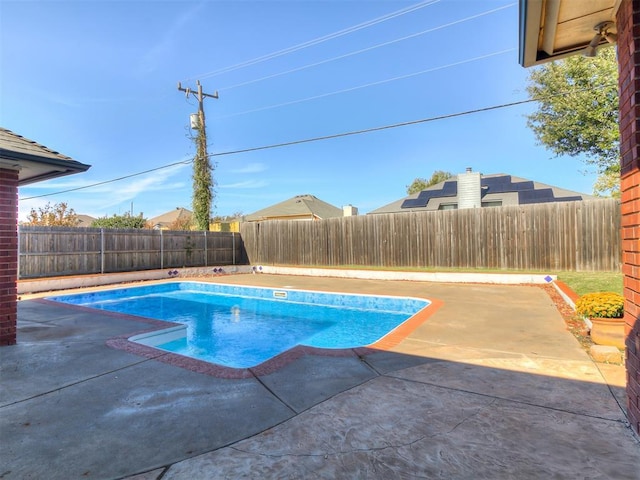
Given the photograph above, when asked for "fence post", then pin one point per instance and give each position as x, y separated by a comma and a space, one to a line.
206, 257
233, 248
161, 250
102, 250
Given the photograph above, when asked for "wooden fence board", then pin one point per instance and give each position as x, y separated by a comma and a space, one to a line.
549, 236
581, 236
58, 251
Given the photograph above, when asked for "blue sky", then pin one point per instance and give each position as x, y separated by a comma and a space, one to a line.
97, 81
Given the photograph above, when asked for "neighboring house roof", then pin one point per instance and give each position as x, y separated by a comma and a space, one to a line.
33, 161
84, 220
168, 218
299, 207
496, 188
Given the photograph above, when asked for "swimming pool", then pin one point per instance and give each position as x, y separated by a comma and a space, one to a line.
241, 327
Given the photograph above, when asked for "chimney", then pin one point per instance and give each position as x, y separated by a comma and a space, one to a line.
469, 190
349, 211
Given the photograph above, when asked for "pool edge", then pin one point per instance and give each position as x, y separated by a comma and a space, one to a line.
125, 343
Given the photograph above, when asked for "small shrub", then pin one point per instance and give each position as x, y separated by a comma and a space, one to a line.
601, 305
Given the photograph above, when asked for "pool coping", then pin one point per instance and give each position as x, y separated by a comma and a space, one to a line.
36, 285
124, 342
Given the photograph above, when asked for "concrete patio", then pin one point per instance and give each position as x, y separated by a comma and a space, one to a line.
491, 386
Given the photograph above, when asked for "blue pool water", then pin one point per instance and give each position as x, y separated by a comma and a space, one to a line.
241, 327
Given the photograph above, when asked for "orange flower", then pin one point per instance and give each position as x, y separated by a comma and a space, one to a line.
601, 305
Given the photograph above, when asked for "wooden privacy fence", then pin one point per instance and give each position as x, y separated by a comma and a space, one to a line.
52, 251
580, 236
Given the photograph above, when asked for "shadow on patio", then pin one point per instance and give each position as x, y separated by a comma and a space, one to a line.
483, 389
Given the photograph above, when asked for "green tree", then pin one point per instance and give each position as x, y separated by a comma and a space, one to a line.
608, 184
203, 183
57, 215
578, 109
120, 221
420, 183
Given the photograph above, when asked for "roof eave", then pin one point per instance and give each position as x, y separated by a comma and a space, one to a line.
530, 24
59, 167
542, 23
528, 31
47, 176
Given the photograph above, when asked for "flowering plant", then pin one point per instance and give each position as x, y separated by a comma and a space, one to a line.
601, 305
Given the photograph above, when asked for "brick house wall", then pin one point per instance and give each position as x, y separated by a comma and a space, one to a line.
8, 256
628, 26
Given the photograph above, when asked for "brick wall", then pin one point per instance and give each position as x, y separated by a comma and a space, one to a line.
8, 255
628, 24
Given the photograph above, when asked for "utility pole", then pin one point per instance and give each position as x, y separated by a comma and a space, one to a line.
203, 182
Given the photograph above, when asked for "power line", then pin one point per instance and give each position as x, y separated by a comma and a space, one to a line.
371, 84
363, 50
326, 137
319, 40
405, 124
376, 129
183, 162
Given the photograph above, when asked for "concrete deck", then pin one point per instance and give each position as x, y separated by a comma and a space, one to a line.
491, 386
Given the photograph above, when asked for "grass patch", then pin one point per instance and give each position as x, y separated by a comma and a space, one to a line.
588, 282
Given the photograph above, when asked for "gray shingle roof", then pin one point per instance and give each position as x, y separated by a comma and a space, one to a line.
171, 216
85, 220
34, 162
298, 206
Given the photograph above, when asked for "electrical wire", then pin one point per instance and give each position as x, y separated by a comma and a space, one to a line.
371, 84
376, 129
363, 50
325, 137
183, 162
318, 40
